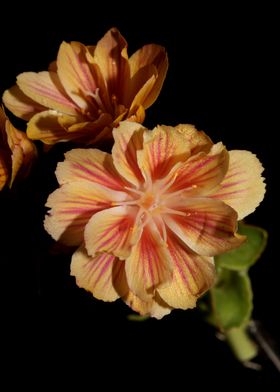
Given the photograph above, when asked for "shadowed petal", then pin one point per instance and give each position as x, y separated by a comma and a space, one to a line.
192, 275
46, 89
98, 274
20, 104
128, 140
243, 187
89, 164
148, 266
4, 171
73, 205
208, 226
112, 231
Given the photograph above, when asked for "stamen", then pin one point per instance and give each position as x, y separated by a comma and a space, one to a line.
137, 191
174, 212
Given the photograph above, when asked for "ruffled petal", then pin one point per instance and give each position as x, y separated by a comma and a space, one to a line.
112, 231
162, 149
192, 275
207, 226
89, 164
20, 104
243, 187
148, 266
197, 141
128, 140
46, 89
156, 307
73, 205
99, 274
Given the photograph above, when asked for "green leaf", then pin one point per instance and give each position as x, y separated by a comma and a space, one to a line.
248, 253
137, 317
232, 299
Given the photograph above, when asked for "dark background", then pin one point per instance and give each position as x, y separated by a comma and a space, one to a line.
222, 78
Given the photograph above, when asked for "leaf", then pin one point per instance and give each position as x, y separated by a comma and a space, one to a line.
232, 299
137, 317
248, 253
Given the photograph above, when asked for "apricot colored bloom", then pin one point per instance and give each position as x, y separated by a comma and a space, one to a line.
88, 90
150, 217
16, 152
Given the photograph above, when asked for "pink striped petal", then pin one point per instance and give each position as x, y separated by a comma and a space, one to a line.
89, 164
45, 88
128, 141
20, 104
208, 226
192, 275
156, 307
162, 149
243, 187
112, 231
99, 274
73, 205
201, 173
148, 266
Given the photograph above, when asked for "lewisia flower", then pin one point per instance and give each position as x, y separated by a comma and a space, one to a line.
149, 218
88, 90
16, 152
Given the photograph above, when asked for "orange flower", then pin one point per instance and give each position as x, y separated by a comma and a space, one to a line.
16, 152
88, 90
150, 217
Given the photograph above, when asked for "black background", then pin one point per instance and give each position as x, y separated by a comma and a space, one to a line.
223, 79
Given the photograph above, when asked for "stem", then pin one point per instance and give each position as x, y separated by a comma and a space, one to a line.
241, 344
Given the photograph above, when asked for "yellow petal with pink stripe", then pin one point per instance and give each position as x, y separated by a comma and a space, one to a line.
128, 140
201, 173
243, 187
46, 89
99, 274
148, 266
162, 149
112, 231
73, 205
20, 104
89, 164
207, 226
192, 275
197, 140
156, 307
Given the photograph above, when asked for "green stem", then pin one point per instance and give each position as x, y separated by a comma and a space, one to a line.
241, 344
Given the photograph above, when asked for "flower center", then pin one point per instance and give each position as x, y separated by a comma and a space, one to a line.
149, 201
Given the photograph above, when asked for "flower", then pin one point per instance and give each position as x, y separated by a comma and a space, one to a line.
16, 152
88, 90
149, 218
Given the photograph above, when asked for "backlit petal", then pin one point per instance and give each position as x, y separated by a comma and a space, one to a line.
46, 89
112, 231
192, 275
97, 274
162, 149
73, 205
20, 104
89, 164
243, 187
208, 226
128, 140
148, 266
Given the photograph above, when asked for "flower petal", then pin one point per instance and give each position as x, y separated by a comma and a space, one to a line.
162, 149
76, 74
154, 308
89, 164
208, 226
73, 205
197, 140
97, 274
111, 57
20, 104
201, 173
4, 171
128, 140
112, 231
149, 59
243, 187
46, 89
148, 266
192, 275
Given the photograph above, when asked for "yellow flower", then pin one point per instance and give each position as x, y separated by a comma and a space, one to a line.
16, 152
150, 217
88, 90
